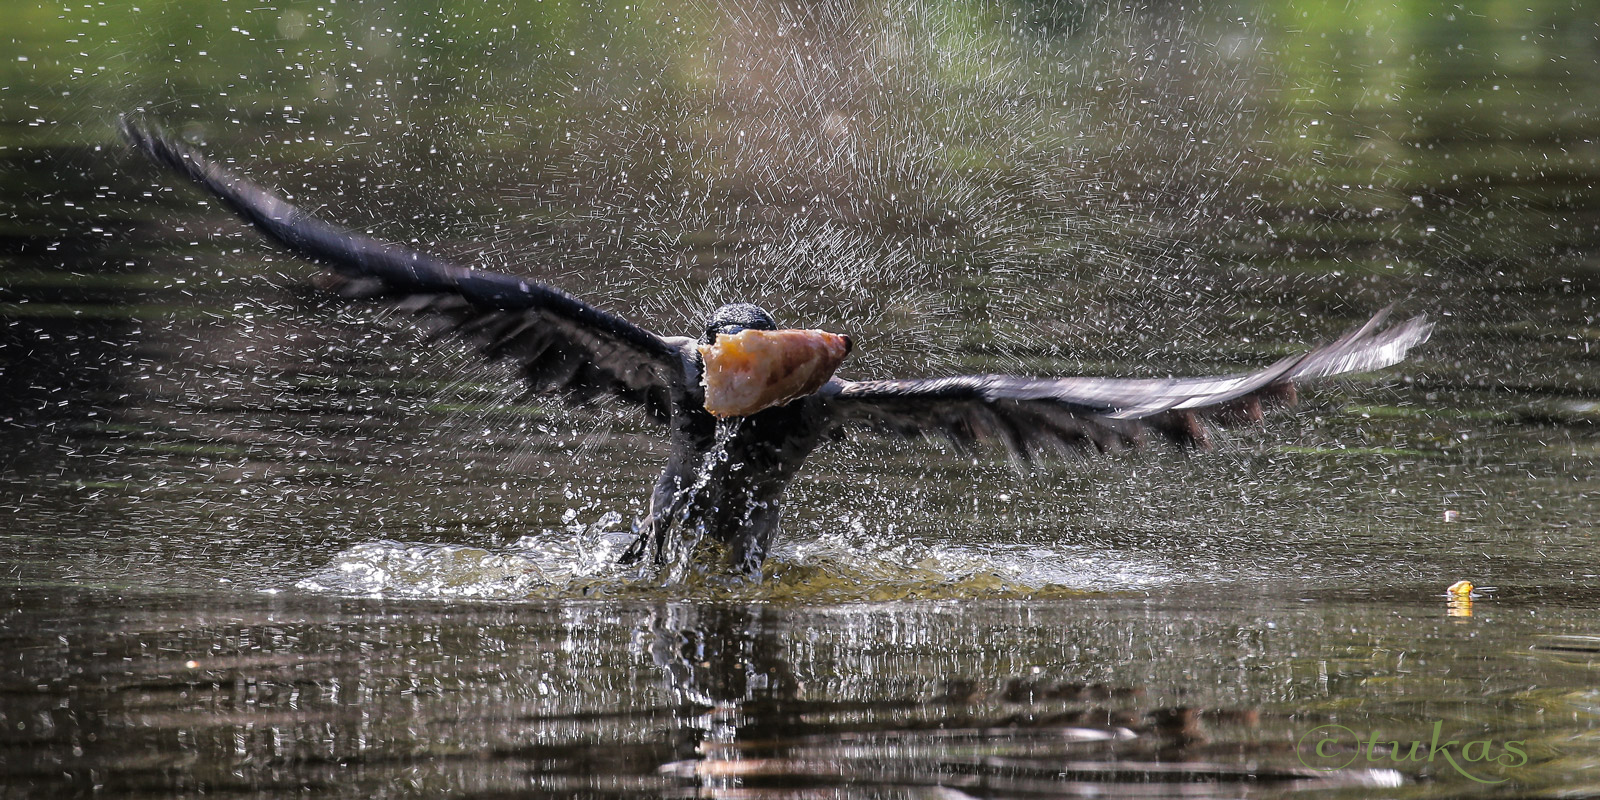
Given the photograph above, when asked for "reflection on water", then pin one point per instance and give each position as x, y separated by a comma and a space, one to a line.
242, 696
258, 544
989, 699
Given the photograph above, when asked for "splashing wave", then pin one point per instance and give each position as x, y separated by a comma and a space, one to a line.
580, 561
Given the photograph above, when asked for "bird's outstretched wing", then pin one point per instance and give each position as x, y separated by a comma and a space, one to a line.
1036, 415
563, 346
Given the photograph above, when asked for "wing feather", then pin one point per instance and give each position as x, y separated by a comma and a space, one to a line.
563, 346
1039, 415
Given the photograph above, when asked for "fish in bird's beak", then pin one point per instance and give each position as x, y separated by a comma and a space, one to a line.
754, 369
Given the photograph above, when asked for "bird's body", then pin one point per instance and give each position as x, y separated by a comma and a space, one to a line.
725, 476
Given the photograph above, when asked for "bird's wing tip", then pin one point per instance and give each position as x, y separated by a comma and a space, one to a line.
1368, 348
138, 131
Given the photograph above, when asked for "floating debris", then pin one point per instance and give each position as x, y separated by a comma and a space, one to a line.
1460, 602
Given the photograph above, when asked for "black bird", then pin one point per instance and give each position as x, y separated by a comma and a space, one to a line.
725, 478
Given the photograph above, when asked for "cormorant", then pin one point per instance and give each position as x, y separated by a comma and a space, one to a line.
725, 478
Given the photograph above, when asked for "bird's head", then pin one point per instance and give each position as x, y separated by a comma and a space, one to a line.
735, 317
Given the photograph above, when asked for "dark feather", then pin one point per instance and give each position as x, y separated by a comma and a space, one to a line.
1038, 415
564, 346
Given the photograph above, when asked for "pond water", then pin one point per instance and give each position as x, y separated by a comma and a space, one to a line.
264, 544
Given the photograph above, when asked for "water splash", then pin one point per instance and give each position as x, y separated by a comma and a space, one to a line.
580, 561
552, 563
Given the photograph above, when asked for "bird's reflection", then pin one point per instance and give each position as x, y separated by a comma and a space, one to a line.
749, 726
729, 664
720, 656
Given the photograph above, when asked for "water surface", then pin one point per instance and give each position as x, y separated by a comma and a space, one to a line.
263, 544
